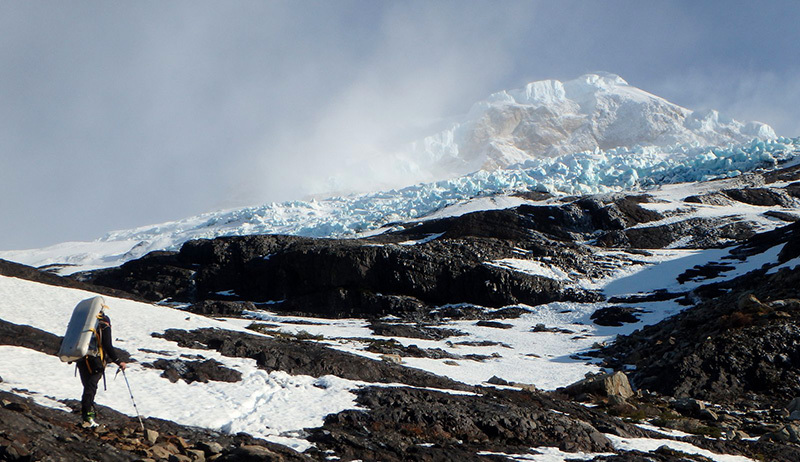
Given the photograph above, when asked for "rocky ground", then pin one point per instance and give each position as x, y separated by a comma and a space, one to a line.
410, 274
398, 423
737, 347
726, 370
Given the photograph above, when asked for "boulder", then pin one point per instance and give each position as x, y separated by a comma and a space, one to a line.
790, 433
794, 405
210, 447
251, 453
162, 451
749, 302
221, 308
616, 315
620, 406
615, 384
495, 380
688, 406
151, 436
392, 358
196, 455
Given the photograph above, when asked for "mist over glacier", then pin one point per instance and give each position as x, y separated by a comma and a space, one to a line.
590, 172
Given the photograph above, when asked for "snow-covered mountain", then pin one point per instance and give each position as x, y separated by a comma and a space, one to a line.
594, 134
550, 118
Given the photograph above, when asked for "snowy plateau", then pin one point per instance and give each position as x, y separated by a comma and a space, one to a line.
596, 274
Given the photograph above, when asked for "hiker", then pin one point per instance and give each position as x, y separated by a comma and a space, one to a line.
92, 367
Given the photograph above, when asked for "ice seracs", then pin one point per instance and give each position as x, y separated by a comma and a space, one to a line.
594, 172
550, 118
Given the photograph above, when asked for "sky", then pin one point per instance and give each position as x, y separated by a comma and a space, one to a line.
122, 114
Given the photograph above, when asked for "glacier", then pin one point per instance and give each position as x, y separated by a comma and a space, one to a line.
593, 172
590, 172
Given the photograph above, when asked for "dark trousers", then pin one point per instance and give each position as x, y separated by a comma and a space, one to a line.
91, 370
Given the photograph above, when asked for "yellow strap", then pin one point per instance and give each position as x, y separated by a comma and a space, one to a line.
99, 343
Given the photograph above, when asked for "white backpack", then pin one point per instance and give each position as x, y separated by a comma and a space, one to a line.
81, 338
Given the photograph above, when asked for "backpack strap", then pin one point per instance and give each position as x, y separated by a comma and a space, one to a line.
99, 338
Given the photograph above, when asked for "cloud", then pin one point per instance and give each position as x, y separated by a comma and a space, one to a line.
764, 95
422, 64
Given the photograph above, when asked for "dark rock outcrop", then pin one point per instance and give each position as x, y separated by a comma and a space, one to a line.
306, 358
765, 197
29, 337
691, 233
338, 278
616, 315
413, 331
195, 371
20, 271
739, 347
411, 424
711, 198
221, 308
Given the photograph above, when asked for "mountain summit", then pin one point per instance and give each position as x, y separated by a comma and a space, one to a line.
595, 111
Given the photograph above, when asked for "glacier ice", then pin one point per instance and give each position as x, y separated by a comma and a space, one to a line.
589, 172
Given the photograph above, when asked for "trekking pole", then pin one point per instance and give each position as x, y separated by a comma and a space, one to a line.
132, 400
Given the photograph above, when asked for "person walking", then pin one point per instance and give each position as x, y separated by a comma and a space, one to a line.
92, 366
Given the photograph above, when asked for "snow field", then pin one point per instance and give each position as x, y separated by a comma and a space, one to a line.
261, 404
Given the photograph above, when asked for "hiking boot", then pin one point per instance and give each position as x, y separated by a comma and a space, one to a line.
88, 420
90, 423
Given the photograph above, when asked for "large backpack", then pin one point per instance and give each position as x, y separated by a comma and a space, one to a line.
83, 337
